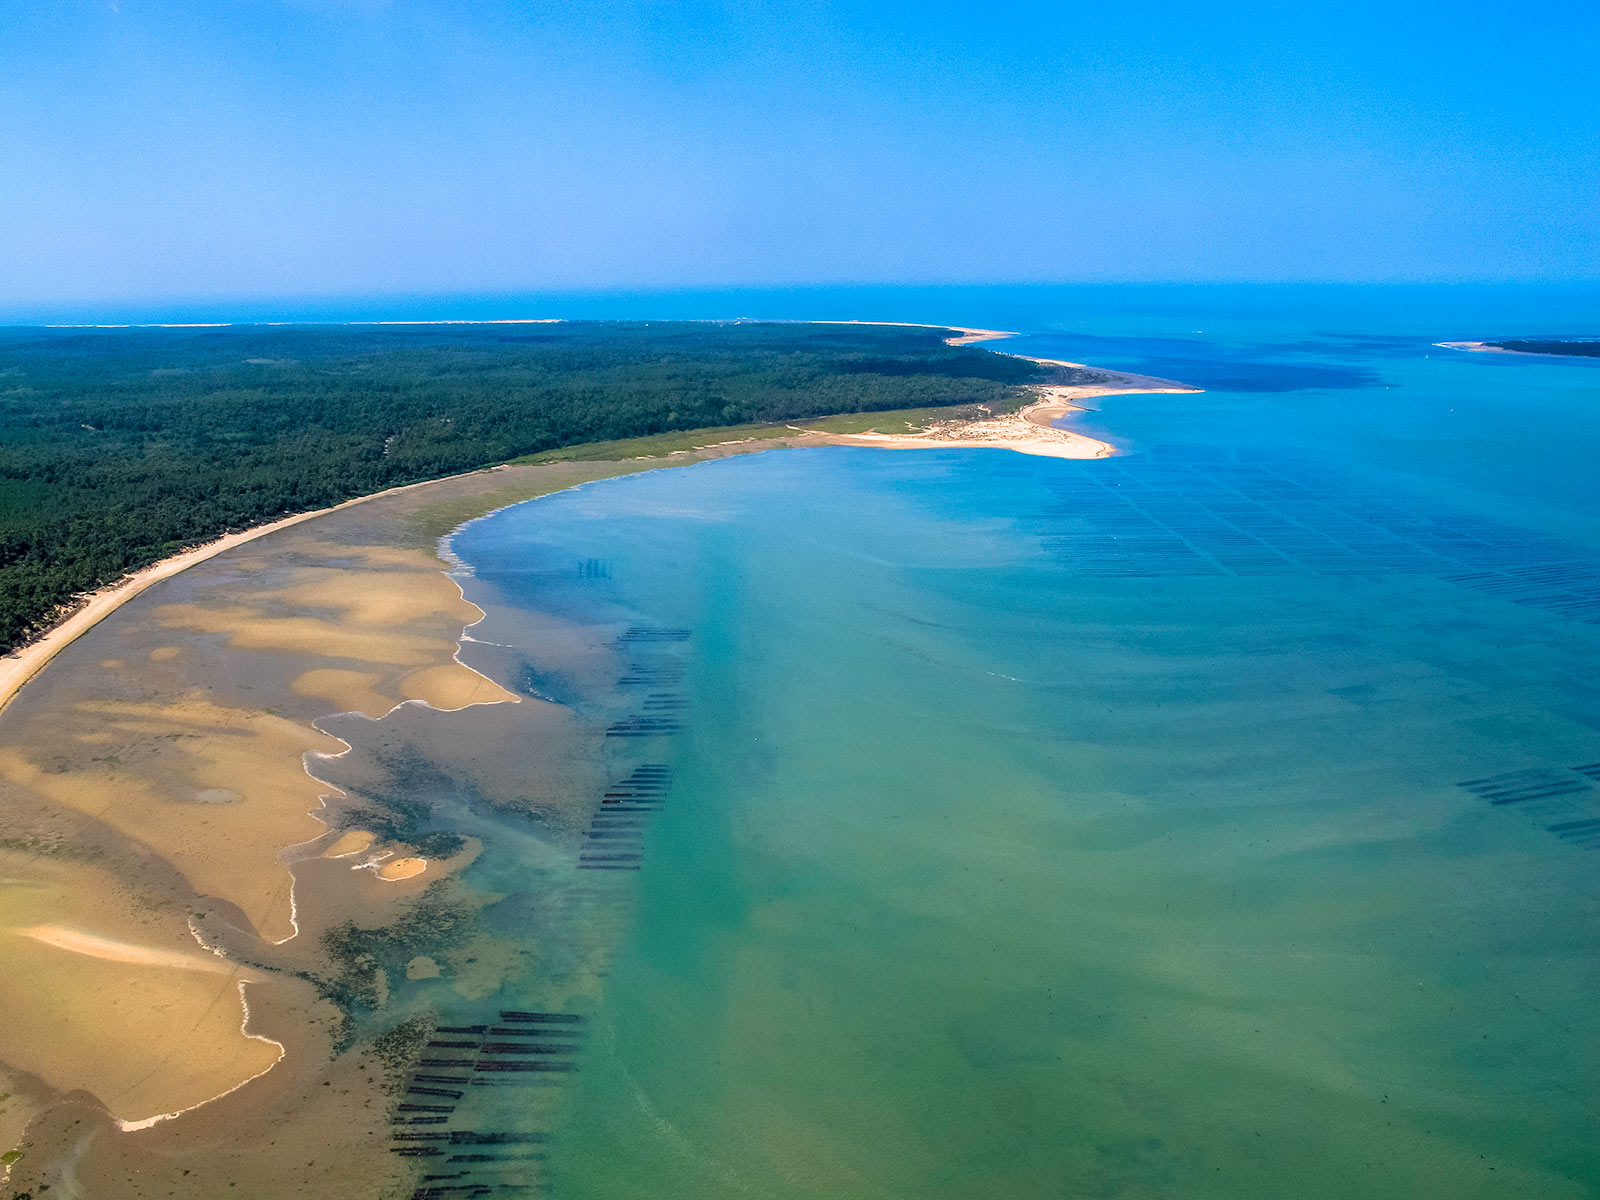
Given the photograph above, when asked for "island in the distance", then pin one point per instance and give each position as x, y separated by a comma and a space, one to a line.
1551, 347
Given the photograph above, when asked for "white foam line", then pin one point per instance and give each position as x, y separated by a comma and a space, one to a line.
458, 567
461, 567
338, 793
244, 1028
194, 932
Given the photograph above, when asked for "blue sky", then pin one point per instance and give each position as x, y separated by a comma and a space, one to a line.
153, 150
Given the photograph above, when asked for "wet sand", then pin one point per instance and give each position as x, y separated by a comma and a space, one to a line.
19, 666
180, 890
184, 892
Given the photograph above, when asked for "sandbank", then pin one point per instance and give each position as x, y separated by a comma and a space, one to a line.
1477, 348
174, 783
1021, 432
164, 786
351, 843
402, 868
1032, 429
76, 941
101, 993
20, 665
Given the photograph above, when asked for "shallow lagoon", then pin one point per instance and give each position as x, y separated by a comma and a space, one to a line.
1052, 828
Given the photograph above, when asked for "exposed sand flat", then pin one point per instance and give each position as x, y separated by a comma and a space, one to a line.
19, 666
969, 336
169, 749
254, 628
379, 606
148, 782
171, 740
246, 1143
402, 868
1478, 348
344, 690
352, 843
95, 998
451, 686
76, 941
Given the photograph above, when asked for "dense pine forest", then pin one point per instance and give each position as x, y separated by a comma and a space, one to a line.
118, 447
1572, 349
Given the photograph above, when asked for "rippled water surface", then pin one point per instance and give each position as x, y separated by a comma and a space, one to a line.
1218, 820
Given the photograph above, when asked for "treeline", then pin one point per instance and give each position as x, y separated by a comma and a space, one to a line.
1574, 349
119, 447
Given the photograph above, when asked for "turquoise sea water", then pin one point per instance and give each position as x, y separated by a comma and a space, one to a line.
1218, 820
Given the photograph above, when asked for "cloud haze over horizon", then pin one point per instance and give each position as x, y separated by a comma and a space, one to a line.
157, 150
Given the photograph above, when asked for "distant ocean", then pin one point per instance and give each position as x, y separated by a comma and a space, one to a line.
1217, 820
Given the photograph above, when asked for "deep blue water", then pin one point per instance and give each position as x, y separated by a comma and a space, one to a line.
1221, 819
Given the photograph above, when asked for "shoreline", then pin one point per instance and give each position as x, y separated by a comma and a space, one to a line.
1009, 432
21, 665
355, 615
1484, 348
966, 335
1494, 348
1029, 430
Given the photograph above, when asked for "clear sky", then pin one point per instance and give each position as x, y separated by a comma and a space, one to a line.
151, 149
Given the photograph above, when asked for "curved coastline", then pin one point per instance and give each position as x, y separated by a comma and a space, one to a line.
305, 601
23, 663
1057, 401
1515, 346
1031, 430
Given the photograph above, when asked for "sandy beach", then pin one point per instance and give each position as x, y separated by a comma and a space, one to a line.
1477, 348
1010, 431
1032, 429
175, 859
20, 665
191, 839
1027, 431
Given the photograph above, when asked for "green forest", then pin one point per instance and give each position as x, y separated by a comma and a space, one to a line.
120, 446
1570, 348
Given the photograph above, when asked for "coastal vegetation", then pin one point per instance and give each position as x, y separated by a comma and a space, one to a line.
1573, 349
121, 446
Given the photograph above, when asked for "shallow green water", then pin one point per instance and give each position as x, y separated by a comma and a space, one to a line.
1094, 829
